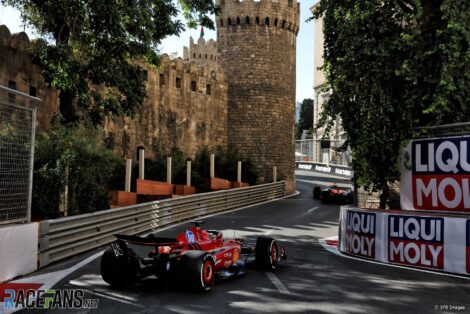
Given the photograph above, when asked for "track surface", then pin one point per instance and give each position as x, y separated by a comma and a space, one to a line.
312, 280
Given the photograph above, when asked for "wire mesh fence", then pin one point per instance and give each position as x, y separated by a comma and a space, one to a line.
323, 151
17, 130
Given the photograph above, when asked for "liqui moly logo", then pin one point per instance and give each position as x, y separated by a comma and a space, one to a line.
441, 174
360, 234
468, 246
416, 241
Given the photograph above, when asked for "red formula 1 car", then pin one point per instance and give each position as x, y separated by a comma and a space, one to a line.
195, 258
333, 194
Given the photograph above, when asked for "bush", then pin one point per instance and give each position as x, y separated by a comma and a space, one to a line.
72, 157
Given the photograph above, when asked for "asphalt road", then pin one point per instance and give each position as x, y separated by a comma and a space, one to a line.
311, 280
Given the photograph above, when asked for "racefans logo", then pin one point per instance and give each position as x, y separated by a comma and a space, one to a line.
416, 241
440, 174
27, 296
360, 234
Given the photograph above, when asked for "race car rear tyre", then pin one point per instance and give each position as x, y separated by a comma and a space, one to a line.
199, 270
119, 265
316, 192
325, 197
266, 253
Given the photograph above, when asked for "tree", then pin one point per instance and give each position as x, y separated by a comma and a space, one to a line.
305, 117
393, 65
92, 49
73, 168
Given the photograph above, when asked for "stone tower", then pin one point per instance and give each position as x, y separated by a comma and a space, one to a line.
256, 42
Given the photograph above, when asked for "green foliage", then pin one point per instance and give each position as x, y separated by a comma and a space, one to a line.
72, 156
305, 117
91, 45
394, 65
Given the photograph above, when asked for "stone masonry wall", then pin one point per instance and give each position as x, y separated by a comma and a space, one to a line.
17, 71
257, 45
202, 52
186, 108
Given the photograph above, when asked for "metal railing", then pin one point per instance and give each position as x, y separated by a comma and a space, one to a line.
322, 151
64, 237
17, 132
445, 130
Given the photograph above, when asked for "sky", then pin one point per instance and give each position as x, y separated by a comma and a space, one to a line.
305, 39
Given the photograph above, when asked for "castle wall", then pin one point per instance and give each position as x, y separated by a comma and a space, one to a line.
257, 45
186, 114
185, 108
203, 53
17, 71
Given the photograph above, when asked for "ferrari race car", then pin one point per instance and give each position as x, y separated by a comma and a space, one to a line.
195, 257
333, 194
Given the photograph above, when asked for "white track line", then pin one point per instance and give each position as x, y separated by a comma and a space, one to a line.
337, 252
312, 209
276, 282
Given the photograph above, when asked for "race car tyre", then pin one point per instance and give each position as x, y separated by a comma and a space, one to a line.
199, 270
266, 253
325, 197
316, 192
119, 265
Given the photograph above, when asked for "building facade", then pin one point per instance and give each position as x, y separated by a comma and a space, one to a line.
325, 145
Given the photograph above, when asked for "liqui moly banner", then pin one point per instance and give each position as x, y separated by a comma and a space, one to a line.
435, 175
433, 241
360, 234
416, 241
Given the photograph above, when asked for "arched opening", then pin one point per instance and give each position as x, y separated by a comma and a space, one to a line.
283, 23
229, 21
275, 22
238, 20
221, 22
266, 21
257, 20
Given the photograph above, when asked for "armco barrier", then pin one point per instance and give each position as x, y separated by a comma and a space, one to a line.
65, 237
410, 238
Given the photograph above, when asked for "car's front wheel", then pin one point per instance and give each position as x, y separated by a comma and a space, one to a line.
267, 253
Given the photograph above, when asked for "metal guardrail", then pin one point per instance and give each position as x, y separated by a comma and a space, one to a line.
64, 237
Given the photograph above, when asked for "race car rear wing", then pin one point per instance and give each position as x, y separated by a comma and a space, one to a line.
149, 240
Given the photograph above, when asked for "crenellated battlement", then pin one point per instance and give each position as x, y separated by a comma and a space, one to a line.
281, 14
202, 52
19, 41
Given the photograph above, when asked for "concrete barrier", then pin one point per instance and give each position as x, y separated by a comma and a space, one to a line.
18, 250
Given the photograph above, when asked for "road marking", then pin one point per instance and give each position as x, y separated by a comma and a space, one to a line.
334, 250
312, 209
277, 283
107, 296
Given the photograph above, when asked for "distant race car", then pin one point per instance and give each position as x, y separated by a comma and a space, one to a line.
194, 258
333, 194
